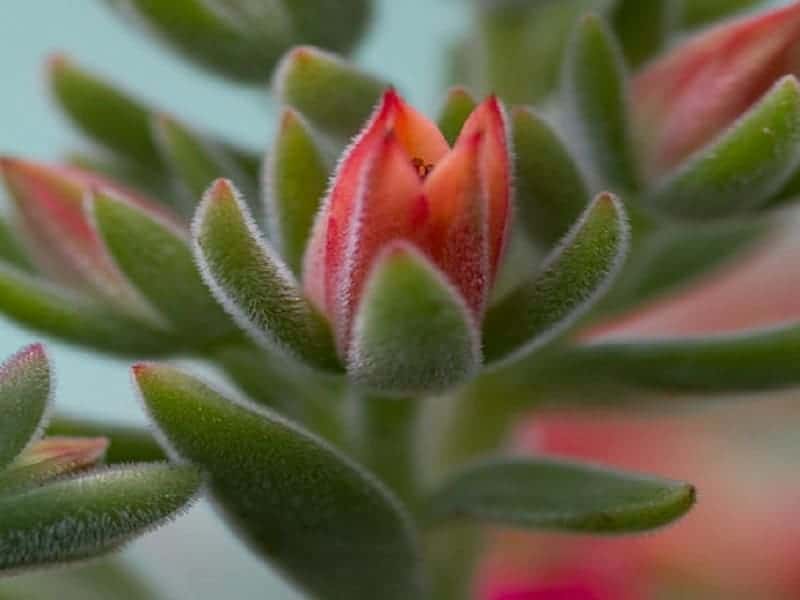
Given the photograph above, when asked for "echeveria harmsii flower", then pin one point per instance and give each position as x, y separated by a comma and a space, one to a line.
701, 87
401, 181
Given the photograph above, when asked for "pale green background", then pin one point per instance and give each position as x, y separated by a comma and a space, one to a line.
195, 557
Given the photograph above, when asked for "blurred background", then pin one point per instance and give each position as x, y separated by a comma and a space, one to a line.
404, 45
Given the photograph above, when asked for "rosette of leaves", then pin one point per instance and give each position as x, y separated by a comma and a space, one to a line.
59, 502
349, 479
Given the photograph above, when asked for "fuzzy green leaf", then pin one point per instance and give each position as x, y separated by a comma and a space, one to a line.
44, 307
595, 96
696, 13
85, 516
745, 167
558, 495
457, 108
330, 527
25, 388
127, 443
550, 191
156, 257
413, 331
578, 273
297, 177
750, 361
334, 96
256, 288
104, 113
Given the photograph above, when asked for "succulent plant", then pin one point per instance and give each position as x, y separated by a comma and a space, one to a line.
391, 294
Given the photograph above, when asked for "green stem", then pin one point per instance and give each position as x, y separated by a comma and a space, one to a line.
386, 441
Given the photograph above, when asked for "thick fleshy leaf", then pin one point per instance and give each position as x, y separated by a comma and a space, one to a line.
25, 390
195, 161
550, 191
745, 167
595, 96
51, 458
243, 40
104, 113
127, 444
156, 257
334, 96
297, 177
97, 580
559, 495
750, 361
577, 274
86, 516
644, 27
455, 112
44, 307
253, 284
413, 332
330, 527
11, 250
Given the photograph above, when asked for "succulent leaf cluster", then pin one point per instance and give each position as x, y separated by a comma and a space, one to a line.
391, 293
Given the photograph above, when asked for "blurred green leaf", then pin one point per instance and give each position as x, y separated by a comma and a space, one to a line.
558, 495
458, 105
413, 332
11, 249
696, 13
249, 279
742, 169
333, 95
107, 115
330, 527
44, 307
155, 255
297, 177
127, 443
550, 191
25, 389
644, 28
578, 273
195, 162
595, 98
85, 516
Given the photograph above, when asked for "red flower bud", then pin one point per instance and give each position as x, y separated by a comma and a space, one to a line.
401, 181
701, 87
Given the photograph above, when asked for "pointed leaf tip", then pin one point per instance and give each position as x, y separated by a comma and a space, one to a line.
413, 331
251, 282
329, 526
575, 276
25, 395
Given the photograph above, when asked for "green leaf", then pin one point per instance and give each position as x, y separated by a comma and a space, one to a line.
334, 96
86, 516
195, 162
578, 274
696, 13
595, 96
25, 389
457, 108
11, 249
550, 191
44, 307
156, 257
412, 331
558, 495
98, 580
297, 177
742, 169
255, 287
330, 527
749, 361
104, 113
127, 444
335, 24
643, 28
